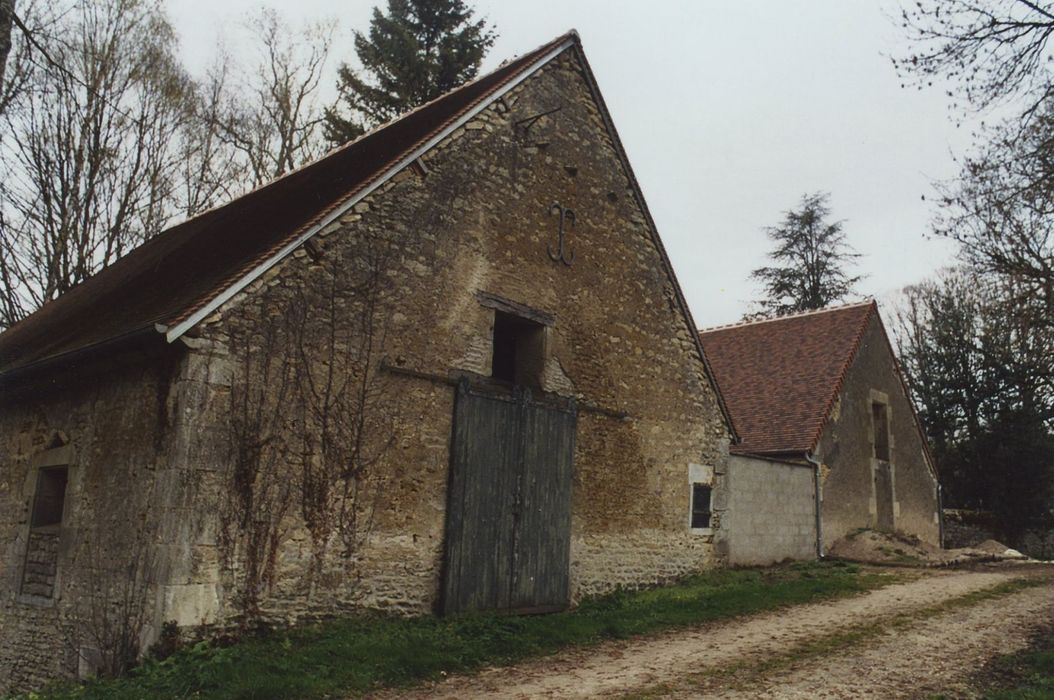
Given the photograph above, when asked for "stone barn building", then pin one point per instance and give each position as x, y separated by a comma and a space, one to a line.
446, 367
829, 438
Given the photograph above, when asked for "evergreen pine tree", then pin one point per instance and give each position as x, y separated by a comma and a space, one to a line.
414, 53
811, 255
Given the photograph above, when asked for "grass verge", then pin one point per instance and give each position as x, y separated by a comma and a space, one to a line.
350, 656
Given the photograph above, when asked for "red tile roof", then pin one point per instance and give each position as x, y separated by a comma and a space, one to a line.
780, 377
170, 277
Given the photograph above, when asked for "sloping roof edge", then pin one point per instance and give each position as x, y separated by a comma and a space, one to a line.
653, 230
873, 313
177, 327
828, 403
775, 319
853, 352
926, 451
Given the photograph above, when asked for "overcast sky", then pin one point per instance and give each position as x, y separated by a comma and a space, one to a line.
730, 112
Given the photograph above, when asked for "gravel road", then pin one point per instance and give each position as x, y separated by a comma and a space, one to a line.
761, 656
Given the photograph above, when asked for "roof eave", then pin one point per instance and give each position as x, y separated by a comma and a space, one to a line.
15, 374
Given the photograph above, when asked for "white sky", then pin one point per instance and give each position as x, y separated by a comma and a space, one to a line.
729, 111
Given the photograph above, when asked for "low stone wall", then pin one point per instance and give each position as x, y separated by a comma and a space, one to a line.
771, 513
1039, 544
966, 528
602, 563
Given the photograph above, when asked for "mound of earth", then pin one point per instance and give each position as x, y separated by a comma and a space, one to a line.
871, 547
999, 549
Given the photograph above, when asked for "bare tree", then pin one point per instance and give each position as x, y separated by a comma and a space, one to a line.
274, 119
7, 16
213, 170
259, 493
89, 149
1001, 208
1001, 211
346, 426
106, 139
19, 36
991, 52
116, 606
116, 584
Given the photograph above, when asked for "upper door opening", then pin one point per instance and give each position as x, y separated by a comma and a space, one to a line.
519, 350
50, 499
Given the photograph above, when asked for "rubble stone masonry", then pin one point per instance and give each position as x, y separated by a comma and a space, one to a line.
151, 438
476, 220
56, 583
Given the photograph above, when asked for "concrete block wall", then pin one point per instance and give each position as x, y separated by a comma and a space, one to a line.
771, 513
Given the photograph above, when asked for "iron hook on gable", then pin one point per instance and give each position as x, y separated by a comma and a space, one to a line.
567, 218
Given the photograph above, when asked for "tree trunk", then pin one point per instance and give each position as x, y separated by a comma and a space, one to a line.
7, 14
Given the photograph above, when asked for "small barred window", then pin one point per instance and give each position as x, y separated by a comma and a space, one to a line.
701, 506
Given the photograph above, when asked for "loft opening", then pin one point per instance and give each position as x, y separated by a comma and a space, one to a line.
880, 422
518, 350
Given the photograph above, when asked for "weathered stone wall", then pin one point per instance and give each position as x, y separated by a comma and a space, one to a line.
771, 511
1038, 544
149, 437
847, 451
966, 528
476, 220
56, 584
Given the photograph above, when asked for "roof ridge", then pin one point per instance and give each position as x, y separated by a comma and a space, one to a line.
237, 280
368, 133
811, 312
255, 231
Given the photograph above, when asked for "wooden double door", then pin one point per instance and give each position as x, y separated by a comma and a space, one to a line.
508, 527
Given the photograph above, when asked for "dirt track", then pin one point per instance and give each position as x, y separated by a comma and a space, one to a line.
763, 655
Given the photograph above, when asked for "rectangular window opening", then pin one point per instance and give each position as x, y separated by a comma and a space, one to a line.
519, 350
880, 422
50, 497
701, 506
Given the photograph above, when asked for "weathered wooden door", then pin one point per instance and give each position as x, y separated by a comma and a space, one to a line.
508, 530
884, 495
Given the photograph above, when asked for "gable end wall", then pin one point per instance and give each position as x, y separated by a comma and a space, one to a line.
846, 451
479, 221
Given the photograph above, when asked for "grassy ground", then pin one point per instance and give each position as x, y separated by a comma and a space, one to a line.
1028, 675
350, 656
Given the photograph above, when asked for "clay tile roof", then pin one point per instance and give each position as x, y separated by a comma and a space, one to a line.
780, 377
173, 275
